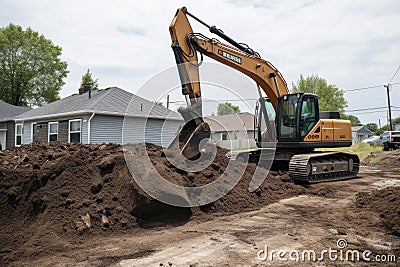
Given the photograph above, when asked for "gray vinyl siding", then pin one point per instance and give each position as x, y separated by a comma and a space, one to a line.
106, 129
161, 132
170, 130
153, 131
114, 129
110, 129
156, 131
10, 134
133, 130
5, 131
84, 129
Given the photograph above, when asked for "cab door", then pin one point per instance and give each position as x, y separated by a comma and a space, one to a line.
308, 114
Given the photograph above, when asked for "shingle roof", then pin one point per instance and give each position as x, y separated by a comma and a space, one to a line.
8, 111
360, 128
231, 122
111, 101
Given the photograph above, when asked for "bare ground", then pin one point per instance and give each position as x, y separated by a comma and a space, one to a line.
305, 222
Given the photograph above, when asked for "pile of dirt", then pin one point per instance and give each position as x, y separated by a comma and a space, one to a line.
49, 191
385, 161
386, 203
275, 187
55, 195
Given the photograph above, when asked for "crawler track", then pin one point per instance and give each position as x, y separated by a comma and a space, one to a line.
323, 167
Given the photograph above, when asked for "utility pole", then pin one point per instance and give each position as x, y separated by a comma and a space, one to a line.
390, 110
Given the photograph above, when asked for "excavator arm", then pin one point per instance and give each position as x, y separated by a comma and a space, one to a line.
186, 45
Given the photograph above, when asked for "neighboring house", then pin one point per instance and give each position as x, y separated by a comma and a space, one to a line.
397, 126
99, 117
7, 126
232, 131
360, 133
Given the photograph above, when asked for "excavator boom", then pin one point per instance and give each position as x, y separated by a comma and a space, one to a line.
185, 45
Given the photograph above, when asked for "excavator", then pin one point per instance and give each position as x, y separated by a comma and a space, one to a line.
295, 127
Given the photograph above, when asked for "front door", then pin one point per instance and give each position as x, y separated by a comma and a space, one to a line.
35, 133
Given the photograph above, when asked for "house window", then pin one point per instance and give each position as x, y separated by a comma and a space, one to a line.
74, 131
18, 134
224, 136
53, 131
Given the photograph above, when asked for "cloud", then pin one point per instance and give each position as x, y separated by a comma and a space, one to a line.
131, 30
350, 43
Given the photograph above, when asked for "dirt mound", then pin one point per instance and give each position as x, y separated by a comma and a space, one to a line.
389, 161
49, 191
55, 195
386, 203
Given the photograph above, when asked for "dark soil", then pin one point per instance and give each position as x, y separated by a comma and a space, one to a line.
55, 195
385, 161
386, 203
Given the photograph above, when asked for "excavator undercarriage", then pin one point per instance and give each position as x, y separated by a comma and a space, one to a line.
323, 167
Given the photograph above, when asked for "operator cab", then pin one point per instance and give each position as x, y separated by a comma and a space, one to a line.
296, 115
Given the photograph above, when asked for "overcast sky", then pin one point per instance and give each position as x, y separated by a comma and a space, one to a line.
352, 44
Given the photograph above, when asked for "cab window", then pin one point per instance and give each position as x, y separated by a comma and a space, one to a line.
288, 117
308, 116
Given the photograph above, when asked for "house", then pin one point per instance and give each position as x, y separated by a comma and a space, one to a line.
360, 133
7, 126
232, 131
110, 115
396, 126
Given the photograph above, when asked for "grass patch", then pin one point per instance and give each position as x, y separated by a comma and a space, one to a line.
376, 159
361, 149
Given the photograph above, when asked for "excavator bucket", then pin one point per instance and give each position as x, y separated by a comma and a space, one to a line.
189, 138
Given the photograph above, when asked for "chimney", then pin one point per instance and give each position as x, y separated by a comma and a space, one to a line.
84, 89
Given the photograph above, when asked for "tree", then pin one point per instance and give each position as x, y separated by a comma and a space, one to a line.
396, 120
355, 121
373, 127
227, 108
87, 79
330, 97
31, 70
382, 130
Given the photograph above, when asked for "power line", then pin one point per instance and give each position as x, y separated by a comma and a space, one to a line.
347, 90
363, 109
366, 88
376, 111
362, 88
394, 75
218, 100
253, 99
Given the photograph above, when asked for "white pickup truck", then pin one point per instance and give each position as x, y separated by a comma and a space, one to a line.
390, 140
